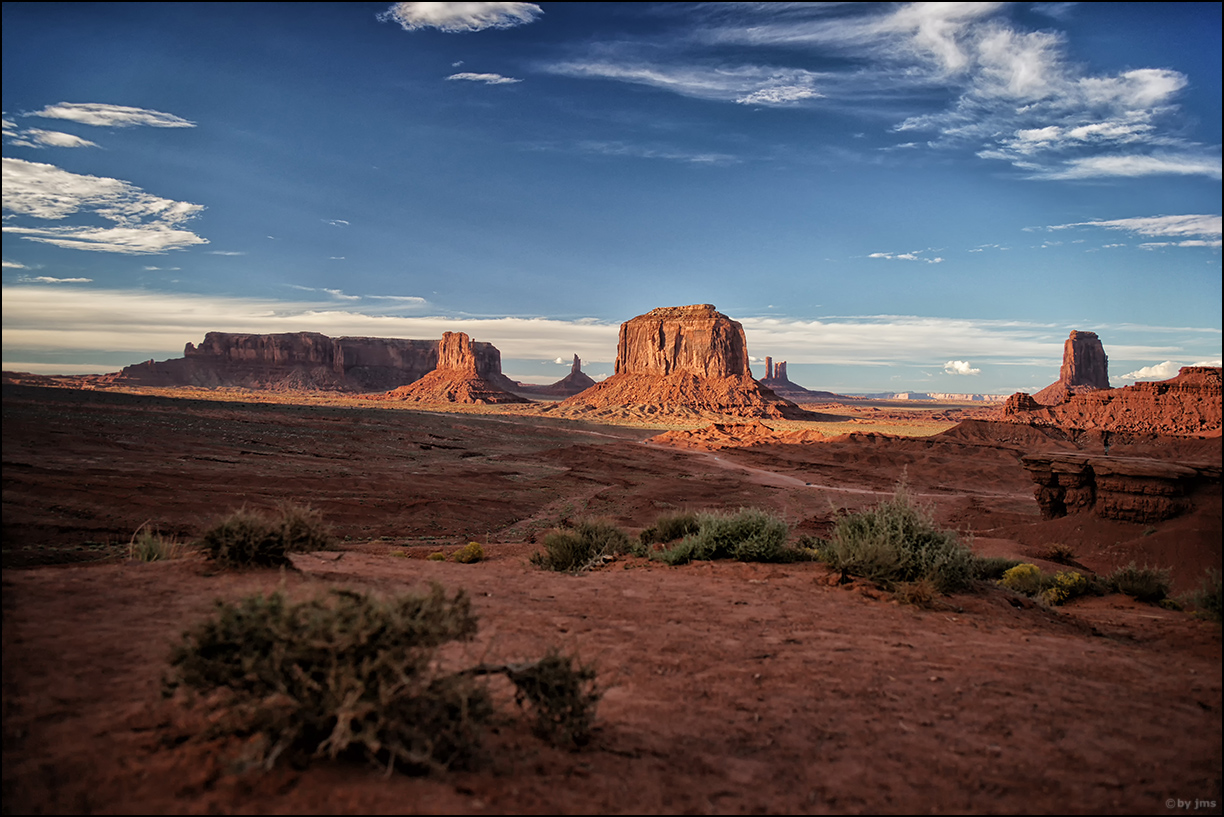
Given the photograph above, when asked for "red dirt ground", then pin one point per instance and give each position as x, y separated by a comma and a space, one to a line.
731, 688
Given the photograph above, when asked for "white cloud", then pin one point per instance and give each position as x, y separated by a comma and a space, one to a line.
46, 279
961, 367
112, 116
1162, 226
38, 138
748, 85
225, 252
906, 256
487, 79
456, 17
14, 265
668, 153
1161, 371
559, 360
147, 223
1134, 165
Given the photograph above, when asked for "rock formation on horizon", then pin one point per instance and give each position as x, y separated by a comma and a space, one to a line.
573, 383
456, 379
686, 360
1186, 405
304, 360
776, 381
1084, 368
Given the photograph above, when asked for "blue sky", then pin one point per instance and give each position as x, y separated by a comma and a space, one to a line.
891, 197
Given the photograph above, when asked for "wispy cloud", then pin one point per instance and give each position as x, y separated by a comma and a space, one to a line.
225, 252
48, 317
1177, 227
487, 79
646, 152
14, 265
458, 17
146, 223
1008, 93
46, 279
39, 138
335, 222
112, 116
916, 255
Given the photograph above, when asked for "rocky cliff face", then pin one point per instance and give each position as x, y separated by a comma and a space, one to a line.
457, 378
1189, 404
1085, 368
1131, 489
306, 360
682, 360
696, 340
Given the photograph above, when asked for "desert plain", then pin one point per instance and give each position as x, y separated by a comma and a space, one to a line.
728, 687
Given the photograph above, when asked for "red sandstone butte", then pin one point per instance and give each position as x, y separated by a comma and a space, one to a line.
457, 378
573, 383
683, 360
1085, 368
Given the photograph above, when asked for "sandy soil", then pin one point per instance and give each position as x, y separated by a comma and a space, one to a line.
731, 688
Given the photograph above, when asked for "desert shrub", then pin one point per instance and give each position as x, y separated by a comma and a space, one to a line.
257, 538
1053, 590
573, 550
468, 554
669, 528
437, 556
349, 672
1064, 586
561, 696
1023, 578
749, 535
1206, 599
1147, 584
151, 546
920, 592
898, 541
992, 568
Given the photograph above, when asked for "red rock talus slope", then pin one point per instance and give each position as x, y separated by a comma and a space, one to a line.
682, 360
734, 435
456, 379
303, 360
1084, 368
1188, 404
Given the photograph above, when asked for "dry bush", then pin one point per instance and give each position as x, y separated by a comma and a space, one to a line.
1060, 553
669, 528
1147, 584
919, 593
470, 553
257, 538
1206, 600
151, 546
349, 672
898, 541
749, 535
579, 548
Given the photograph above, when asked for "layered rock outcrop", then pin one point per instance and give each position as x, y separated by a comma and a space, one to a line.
776, 381
1131, 489
1085, 368
304, 360
1186, 405
683, 360
456, 379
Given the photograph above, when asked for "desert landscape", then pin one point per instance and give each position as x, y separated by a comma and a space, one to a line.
725, 685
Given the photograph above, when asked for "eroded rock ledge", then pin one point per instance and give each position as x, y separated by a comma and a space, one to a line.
1131, 489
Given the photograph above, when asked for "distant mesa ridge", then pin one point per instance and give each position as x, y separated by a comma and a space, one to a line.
456, 379
1082, 400
683, 360
573, 383
306, 360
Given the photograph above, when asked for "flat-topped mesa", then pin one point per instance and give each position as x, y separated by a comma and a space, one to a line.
305, 360
1085, 368
694, 339
682, 360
